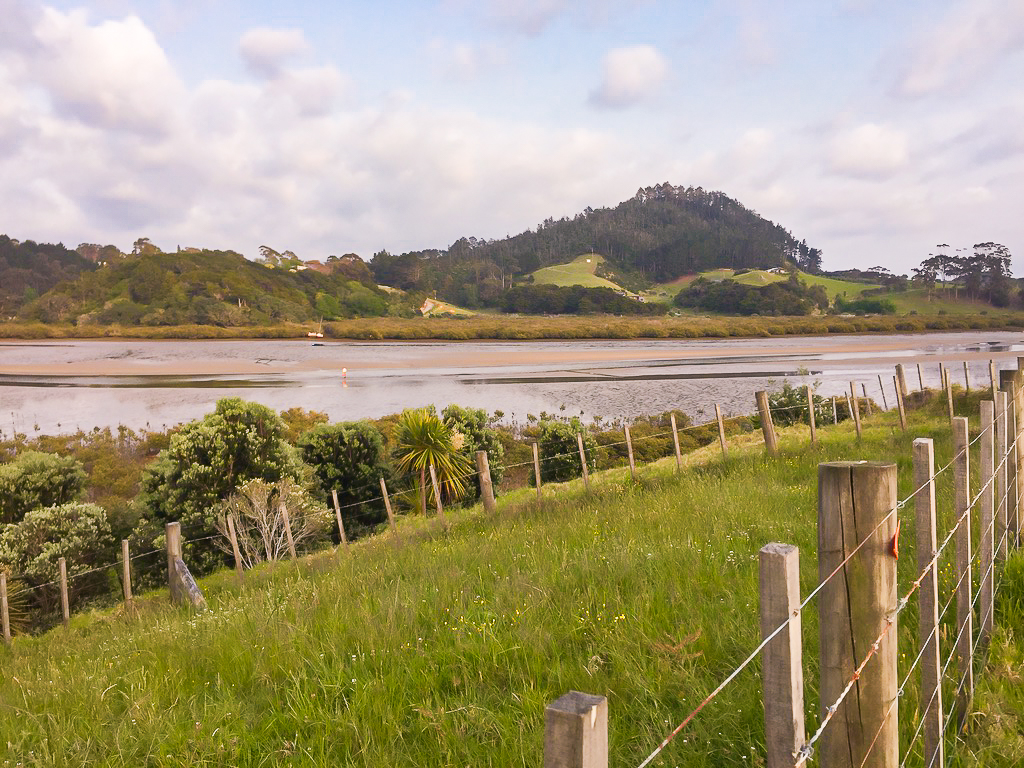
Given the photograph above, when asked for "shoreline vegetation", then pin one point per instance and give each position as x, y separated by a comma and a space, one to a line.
533, 328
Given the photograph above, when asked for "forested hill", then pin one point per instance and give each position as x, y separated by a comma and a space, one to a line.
29, 269
661, 233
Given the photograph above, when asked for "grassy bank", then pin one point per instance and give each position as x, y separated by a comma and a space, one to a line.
519, 327
438, 648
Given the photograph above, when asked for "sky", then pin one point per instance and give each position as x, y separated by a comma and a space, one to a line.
873, 130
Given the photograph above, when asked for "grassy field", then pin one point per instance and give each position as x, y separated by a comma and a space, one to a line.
442, 647
833, 287
579, 271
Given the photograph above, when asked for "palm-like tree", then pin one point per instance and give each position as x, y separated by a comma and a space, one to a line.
424, 439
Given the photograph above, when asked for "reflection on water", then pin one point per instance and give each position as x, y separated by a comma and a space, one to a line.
387, 377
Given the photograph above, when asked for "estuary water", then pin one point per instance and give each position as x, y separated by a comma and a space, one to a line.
54, 387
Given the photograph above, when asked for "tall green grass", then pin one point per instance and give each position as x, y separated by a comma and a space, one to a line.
442, 647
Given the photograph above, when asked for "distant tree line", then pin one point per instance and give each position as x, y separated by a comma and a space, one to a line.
982, 271
790, 297
574, 300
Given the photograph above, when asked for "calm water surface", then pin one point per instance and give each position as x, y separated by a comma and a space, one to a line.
384, 378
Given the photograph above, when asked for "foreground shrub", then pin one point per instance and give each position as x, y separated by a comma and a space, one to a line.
36, 480
559, 450
424, 440
471, 423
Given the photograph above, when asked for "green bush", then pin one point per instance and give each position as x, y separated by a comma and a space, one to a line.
472, 423
559, 450
36, 480
789, 406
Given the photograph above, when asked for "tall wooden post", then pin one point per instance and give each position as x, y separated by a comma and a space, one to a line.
629, 453
949, 398
5, 614
901, 377
287, 521
835, 412
721, 431
920, 379
942, 377
967, 378
126, 572
583, 462
900, 407
576, 732
964, 617
337, 515
172, 533
1012, 474
437, 494
857, 503
483, 468
992, 377
387, 505
536, 467
881, 388
767, 425
781, 660
65, 603
675, 441
928, 601
810, 414
867, 400
987, 518
855, 410
236, 552
1002, 530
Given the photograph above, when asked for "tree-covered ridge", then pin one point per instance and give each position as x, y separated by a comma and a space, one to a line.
29, 269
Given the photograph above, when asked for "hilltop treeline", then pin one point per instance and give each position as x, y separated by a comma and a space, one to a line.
574, 300
29, 269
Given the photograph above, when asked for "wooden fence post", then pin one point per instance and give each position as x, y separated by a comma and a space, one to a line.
835, 412
867, 400
855, 406
857, 504
583, 462
942, 377
928, 601
900, 406
949, 397
437, 494
536, 466
576, 732
967, 378
236, 552
901, 377
1012, 474
675, 441
483, 468
987, 518
810, 414
288, 531
962, 539
781, 660
65, 603
1002, 529
629, 453
172, 533
126, 572
885, 402
920, 379
5, 615
337, 515
721, 431
992, 377
387, 506
767, 425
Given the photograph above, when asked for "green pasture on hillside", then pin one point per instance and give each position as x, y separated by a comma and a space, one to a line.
579, 271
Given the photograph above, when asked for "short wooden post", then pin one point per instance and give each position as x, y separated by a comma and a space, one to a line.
835, 411
849, 405
5, 614
900, 406
65, 604
1002, 530
721, 431
583, 462
337, 514
964, 588
942, 376
810, 414
236, 552
856, 410
189, 589
992, 377
928, 601
920, 379
437, 493
781, 660
536, 467
286, 520
881, 388
387, 505
675, 441
857, 504
867, 400
126, 572
901, 377
483, 468
576, 732
771, 443
172, 532
967, 378
987, 518
629, 453
949, 398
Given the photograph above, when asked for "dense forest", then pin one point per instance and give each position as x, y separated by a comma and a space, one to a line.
729, 297
28, 270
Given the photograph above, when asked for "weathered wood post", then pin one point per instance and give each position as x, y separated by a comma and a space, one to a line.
536, 466
1012, 474
992, 377
835, 411
987, 518
949, 398
721, 431
387, 505
901, 377
126, 572
287, 521
964, 587
437, 494
867, 400
781, 659
928, 601
576, 732
920, 379
236, 552
900, 407
337, 516
881, 388
675, 441
771, 443
855, 410
810, 414
583, 462
483, 468
857, 504
65, 604
942, 376
5, 615
967, 378
1002, 530
172, 532
629, 453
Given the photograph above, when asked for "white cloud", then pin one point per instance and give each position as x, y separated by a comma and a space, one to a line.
528, 17
465, 61
869, 151
630, 75
265, 50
